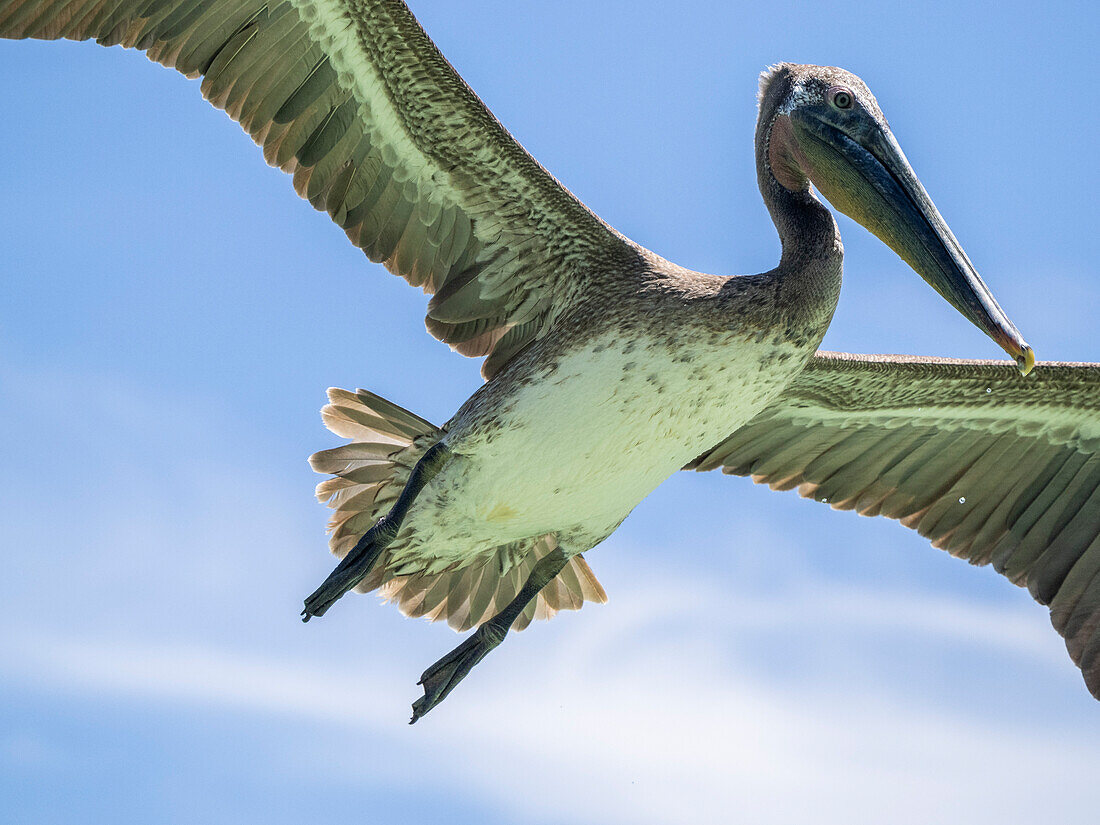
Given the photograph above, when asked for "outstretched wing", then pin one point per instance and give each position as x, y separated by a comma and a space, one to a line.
354, 100
991, 467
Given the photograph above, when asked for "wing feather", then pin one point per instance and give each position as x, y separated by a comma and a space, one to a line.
353, 99
992, 467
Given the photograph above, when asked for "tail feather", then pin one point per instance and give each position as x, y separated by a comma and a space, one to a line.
361, 414
368, 475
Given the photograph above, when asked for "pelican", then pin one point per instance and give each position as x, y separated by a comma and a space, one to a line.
607, 367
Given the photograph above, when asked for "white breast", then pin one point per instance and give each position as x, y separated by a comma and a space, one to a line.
585, 442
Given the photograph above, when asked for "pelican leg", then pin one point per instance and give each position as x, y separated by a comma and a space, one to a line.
359, 560
440, 679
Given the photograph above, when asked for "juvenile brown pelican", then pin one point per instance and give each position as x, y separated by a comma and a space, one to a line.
608, 367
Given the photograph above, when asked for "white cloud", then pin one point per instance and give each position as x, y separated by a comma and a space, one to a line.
597, 723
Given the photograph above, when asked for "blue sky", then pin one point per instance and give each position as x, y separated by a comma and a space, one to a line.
172, 315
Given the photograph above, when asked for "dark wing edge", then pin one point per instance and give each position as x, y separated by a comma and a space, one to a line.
990, 466
355, 101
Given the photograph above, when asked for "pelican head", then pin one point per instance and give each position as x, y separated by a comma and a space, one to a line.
822, 125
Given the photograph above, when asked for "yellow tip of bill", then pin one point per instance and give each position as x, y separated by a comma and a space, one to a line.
1025, 361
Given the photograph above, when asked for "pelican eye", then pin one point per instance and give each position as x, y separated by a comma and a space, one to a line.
841, 97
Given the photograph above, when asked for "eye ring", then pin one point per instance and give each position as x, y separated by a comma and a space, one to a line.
841, 97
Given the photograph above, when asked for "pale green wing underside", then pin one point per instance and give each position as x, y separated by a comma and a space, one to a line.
990, 466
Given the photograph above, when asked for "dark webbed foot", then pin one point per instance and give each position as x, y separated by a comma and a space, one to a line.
351, 569
357, 564
440, 679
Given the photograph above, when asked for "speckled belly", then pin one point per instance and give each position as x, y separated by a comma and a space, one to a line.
576, 448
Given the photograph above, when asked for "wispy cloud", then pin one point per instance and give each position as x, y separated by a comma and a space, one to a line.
602, 725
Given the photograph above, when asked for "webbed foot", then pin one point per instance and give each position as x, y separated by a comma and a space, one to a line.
440, 679
354, 567
351, 570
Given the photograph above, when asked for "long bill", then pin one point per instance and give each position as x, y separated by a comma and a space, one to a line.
869, 179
